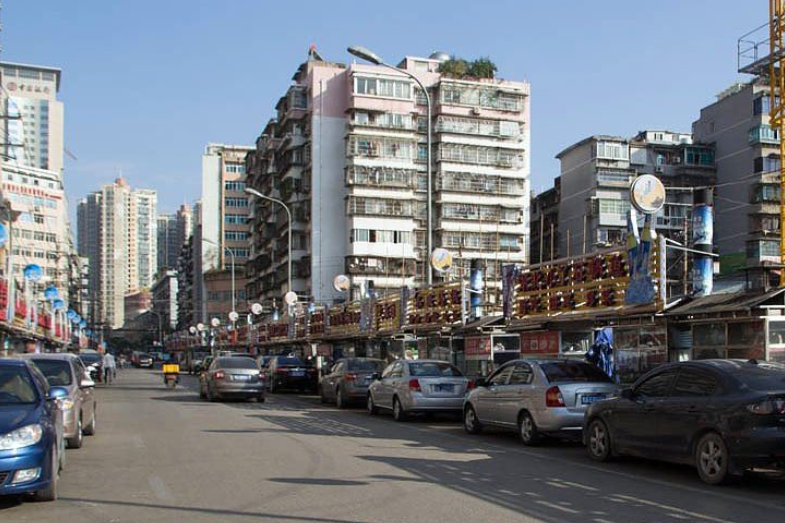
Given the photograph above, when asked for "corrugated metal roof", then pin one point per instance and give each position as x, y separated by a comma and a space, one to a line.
725, 302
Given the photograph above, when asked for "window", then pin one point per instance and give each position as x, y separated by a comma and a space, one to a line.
236, 202
234, 186
762, 104
361, 118
766, 164
521, 375
709, 334
500, 377
777, 332
382, 87
235, 219
573, 371
615, 207
38, 218
656, 386
236, 236
612, 150
238, 168
691, 383
241, 253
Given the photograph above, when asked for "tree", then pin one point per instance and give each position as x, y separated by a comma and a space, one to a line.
460, 68
482, 68
454, 67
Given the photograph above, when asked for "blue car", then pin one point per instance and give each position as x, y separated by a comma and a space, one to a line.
32, 447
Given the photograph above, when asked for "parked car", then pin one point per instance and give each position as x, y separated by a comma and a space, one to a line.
79, 405
142, 360
290, 372
721, 416
536, 398
94, 363
32, 449
231, 377
264, 361
348, 380
417, 386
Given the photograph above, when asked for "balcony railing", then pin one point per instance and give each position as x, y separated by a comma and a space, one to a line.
471, 183
381, 177
478, 155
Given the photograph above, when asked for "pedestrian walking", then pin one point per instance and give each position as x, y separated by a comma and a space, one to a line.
110, 368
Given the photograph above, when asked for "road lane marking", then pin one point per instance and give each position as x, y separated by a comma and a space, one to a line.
675, 510
557, 507
580, 486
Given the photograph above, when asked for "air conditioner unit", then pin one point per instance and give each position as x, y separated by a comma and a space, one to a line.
475, 111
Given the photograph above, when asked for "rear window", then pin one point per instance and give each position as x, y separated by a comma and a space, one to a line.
16, 386
765, 376
577, 371
433, 369
57, 372
89, 359
290, 361
237, 363
366, 365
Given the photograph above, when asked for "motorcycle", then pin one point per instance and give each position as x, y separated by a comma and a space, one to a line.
171, 373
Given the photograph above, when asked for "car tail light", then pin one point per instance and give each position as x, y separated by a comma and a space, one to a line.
281, 370
219, 375
350, 377
414, 386
470, 385
553, 397
767, 406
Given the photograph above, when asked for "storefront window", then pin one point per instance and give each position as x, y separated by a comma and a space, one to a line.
631, 364
626, 338
777, 333
746, 334
576, 343
709, 335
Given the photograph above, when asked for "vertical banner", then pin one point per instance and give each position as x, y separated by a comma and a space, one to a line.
702, 240
476, 285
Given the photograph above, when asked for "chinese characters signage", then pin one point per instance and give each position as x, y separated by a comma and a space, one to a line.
439, 305
545, 342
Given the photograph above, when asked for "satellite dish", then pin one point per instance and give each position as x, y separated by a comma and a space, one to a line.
257, 309
342, 283
192, 329
647, 194
215, 322
290, 298
441, 260
233, 316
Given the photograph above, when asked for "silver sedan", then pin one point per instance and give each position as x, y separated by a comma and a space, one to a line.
417, 386
536, 397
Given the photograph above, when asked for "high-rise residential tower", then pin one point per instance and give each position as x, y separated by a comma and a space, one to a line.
173, 231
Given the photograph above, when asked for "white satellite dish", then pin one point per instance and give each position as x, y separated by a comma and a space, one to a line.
342, 283
257, 309
290, 298
233, 316
215, 322
200, 327
441, 260
192, 329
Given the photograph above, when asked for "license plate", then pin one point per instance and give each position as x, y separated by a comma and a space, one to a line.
297, 373
442, 388
586, 399
241, 377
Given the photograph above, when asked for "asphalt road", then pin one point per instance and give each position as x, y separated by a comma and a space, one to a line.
166, 456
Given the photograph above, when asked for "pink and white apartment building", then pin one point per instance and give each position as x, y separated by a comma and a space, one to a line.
347, 151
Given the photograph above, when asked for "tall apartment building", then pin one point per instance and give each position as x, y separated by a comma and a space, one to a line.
173, 231
117, 234
165, 298
748, 162
596, 174
222, 231
33, 127
544, 244
347, 152
187, 315
41, 232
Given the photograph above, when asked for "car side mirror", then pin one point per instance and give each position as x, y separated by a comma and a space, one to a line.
481, 382
86, 384
627, 394
376, 376
56, 393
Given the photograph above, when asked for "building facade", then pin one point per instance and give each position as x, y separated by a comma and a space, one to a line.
165, 298
173, 231
347, 152
33, 127
596, 174
145, 212
544, 244
748, 163
222, 230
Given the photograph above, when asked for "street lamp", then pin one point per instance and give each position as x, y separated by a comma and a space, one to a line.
160, 326
231, 253
256, 193
370, 56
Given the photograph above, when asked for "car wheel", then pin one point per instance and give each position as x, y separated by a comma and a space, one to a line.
260, 398
398, 413
598, 441
89, 430
527, 430
50, 492
471, 423
76, 441
711, 459
373, 410
202, 393
339, 401
322, 397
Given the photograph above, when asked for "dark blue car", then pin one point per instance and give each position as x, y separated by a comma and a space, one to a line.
31, 432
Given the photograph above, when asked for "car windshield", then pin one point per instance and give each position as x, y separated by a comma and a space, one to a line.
236, 363
57, 372
365, 365
433, 368
89, 359
16, 386
145, 357
290, 361
765, 376
561, 371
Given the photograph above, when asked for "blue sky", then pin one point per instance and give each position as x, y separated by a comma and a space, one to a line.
147, 83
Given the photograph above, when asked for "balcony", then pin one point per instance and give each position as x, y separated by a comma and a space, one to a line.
764, 135
359, 206
480, 96
476, 183
380, 147
382, 176
393, 121
477, 155
479, 127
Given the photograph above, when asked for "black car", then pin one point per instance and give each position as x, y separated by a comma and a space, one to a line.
722, 416
290, 372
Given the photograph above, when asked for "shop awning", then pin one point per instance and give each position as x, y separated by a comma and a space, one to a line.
723, 304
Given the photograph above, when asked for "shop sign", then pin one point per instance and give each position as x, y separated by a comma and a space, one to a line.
316, 324
477, 346
387, 313
593, 282
345, 319
438, 305
278, 330
324, 349
544, 342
